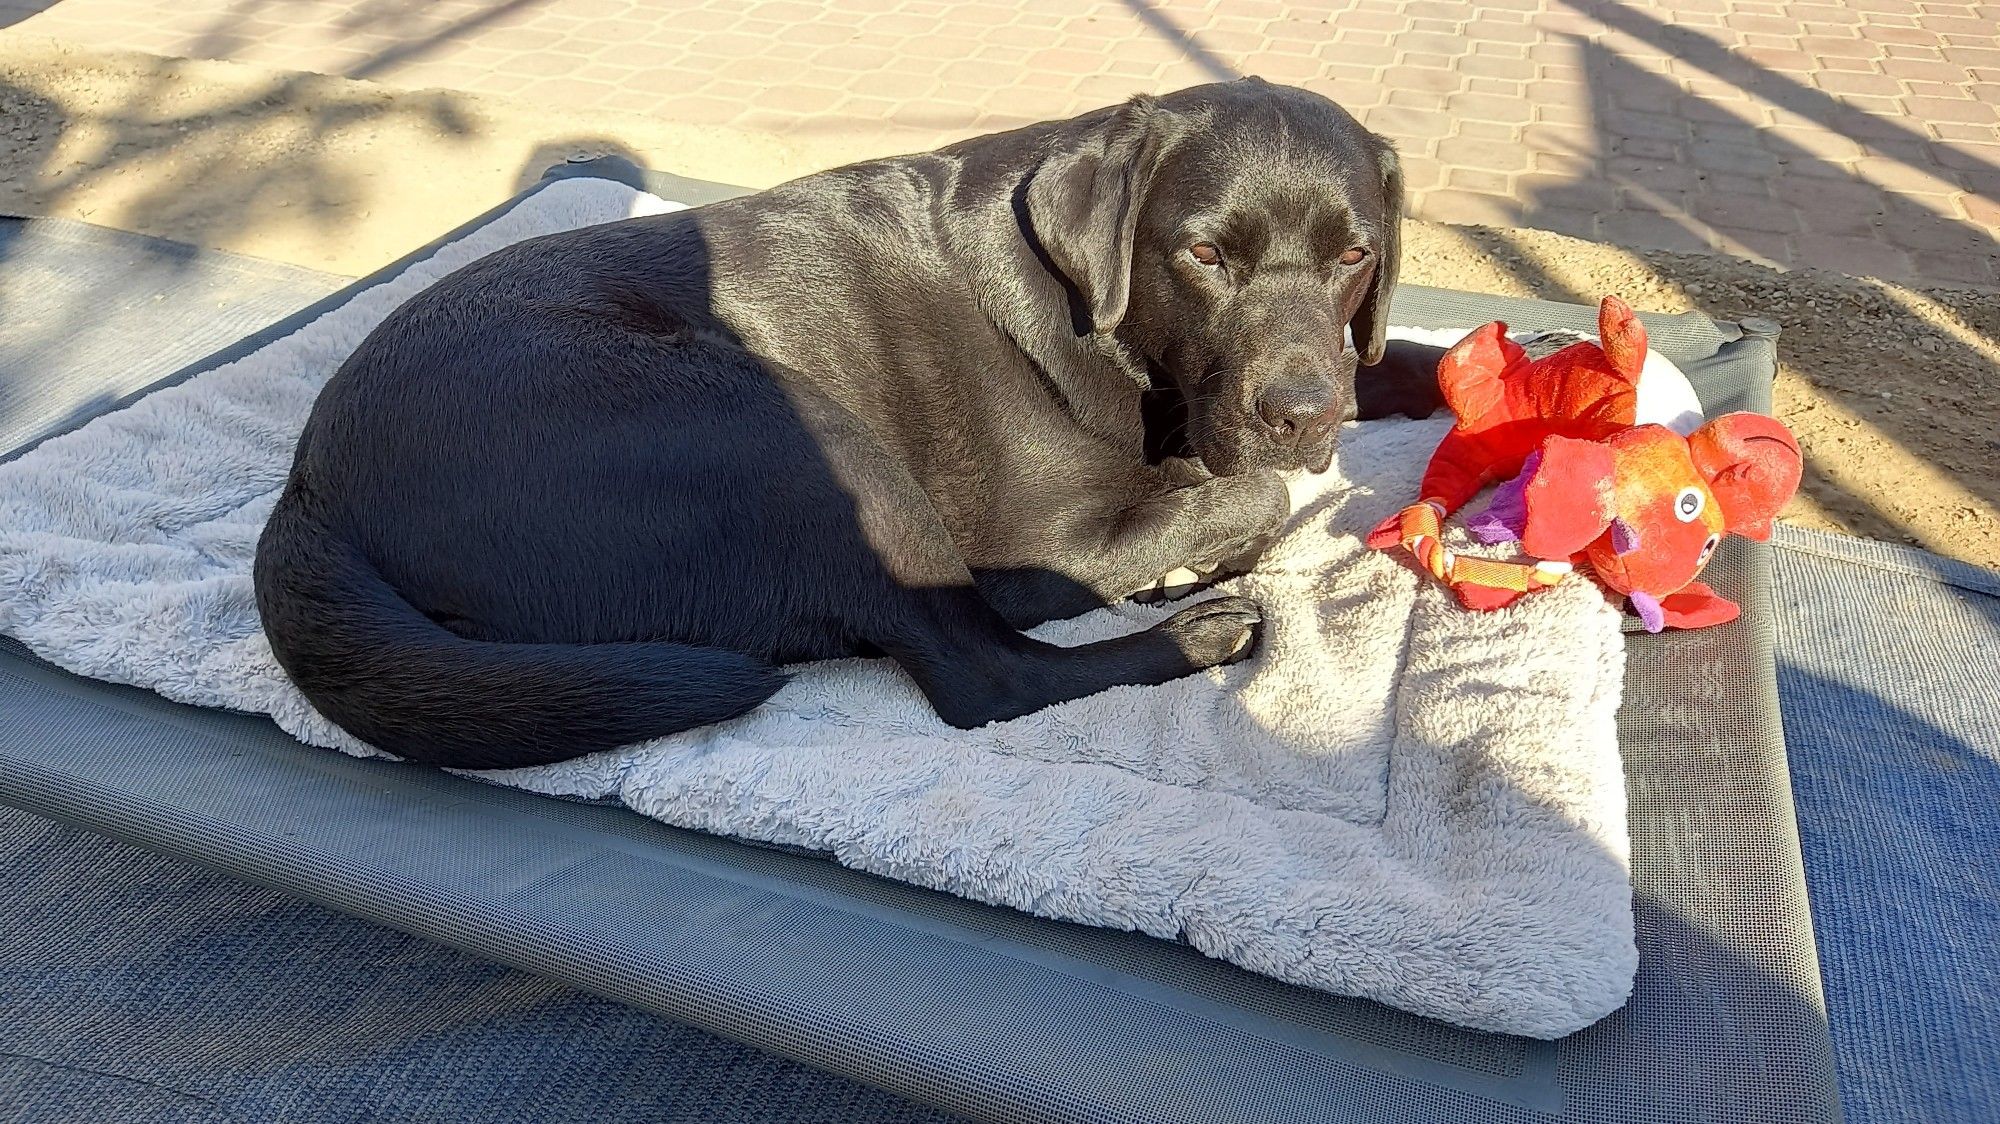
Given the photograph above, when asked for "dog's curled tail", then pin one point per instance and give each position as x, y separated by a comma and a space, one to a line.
401, 682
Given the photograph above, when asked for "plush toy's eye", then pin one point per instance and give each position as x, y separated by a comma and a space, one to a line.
1707, 549
1205, 253
1688, 504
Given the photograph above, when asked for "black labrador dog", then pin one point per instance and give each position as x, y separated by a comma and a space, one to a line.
598, 486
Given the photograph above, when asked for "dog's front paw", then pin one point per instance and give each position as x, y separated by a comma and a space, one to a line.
1213, 633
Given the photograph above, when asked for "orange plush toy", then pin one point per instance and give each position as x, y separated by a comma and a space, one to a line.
1593, 477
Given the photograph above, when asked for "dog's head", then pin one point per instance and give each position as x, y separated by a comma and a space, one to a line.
1230, 235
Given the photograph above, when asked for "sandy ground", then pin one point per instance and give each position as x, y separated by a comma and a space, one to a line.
1894, 391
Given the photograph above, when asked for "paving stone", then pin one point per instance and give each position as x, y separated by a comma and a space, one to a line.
1949, 109
1897, 175
1481, 180
1430, 81
1431, 43
1351, 95
1490, 107
1784, 59
1565, 164
1915, 227
1757, 245
1947, 90
1488, 66
1952, 131
1563, 191
1560, 114
1776, 25
1489, 130
1426, 100
1726, 184
1865, 256
1847, 82
1652, 148
1746, 213
1980, 209
1559, 138
1374, 21
1421, 173
1964, 268
1651, 231
1855, 222
1633, 123
1984, 55
1398, 121
1450, 205
1729, 132
1462, 151
1837, 46
1820, 143
1738, 159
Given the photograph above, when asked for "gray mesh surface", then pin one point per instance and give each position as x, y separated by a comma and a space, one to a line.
141, 989
991, 1013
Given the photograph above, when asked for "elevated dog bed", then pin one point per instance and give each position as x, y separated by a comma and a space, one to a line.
1016, 1018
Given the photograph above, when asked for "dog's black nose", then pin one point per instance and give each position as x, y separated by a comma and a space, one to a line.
1296, 408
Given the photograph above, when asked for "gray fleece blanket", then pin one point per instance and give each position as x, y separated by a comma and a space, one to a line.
1395, 799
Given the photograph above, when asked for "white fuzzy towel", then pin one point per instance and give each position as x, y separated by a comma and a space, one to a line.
1395, 799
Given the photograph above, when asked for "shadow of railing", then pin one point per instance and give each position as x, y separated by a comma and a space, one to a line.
1721, 177
1214, 65
1893, 137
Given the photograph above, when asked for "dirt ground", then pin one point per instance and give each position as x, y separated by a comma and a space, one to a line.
1893, 391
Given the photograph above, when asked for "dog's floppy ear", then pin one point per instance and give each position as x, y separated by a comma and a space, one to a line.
1371, 323
1083, 205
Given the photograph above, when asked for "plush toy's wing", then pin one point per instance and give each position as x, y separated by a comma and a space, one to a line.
1472, 374
1695, 605
1567, 502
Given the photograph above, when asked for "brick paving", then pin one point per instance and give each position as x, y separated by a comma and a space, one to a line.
1859, 135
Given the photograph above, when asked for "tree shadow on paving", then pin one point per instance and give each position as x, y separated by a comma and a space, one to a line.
413, 37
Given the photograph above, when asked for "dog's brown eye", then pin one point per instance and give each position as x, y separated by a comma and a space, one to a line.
1353, 256
1205, 253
